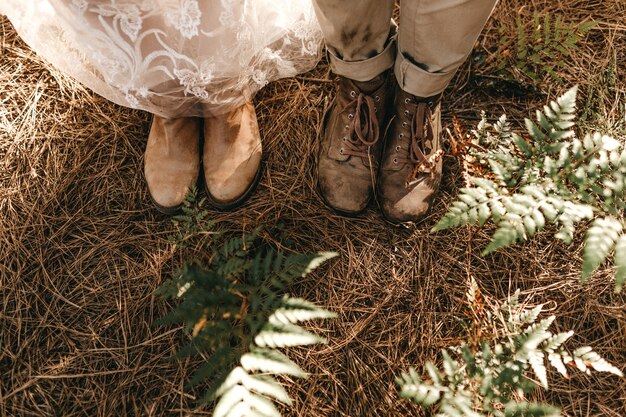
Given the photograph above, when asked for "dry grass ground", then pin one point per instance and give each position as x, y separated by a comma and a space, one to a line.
82, 249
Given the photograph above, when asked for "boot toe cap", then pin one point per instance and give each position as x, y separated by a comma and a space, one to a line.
344, 192
404, 210
168, 189
168, 196
227, 190
343, 200
402, 205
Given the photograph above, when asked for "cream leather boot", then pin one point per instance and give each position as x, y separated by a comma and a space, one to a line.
172, 161
231, 156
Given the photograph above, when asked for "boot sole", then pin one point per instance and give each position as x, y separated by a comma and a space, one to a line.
340, 212
378, 198
169, 211
240, 200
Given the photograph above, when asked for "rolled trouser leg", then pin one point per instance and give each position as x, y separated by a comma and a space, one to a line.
435, 38
360, 36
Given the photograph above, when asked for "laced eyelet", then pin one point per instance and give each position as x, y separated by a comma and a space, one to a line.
377, 98
351, 116
353, 94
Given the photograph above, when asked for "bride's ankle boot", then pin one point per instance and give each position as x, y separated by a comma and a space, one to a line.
172, 161
231, 156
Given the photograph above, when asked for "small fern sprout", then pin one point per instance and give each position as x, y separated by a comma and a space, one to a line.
191, 222
539, 48
548, 177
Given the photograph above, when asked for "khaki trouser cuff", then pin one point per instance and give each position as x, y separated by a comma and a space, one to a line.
366, 69
419, 82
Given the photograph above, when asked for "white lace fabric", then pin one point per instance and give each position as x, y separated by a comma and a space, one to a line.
172, 58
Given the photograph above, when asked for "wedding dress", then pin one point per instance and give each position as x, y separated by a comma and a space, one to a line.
171, 57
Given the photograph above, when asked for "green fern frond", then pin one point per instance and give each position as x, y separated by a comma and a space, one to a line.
510, 230
536, 361
600, 240
475, 205
530, 338
297, 310
525, 317
411, 387
539, 47
489, 381
528, 409
238, 401
192, 223
555, 341
548, 177
215, 368
260, 384
238, 315
585, 358
620, 263
285, 335
270, 361
299, 265
556, 360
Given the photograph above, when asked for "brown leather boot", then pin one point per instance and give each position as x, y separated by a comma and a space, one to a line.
232, 156
172, 161
412, 162
350, 143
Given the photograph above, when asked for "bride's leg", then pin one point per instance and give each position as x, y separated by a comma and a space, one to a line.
172, 156
231, 155
172, 161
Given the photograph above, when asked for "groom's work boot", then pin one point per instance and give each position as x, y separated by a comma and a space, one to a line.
411, 168
231, 156
351, 143
172, 161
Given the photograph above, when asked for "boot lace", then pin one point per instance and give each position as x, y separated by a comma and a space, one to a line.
363, 129
421, 134
421, 138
